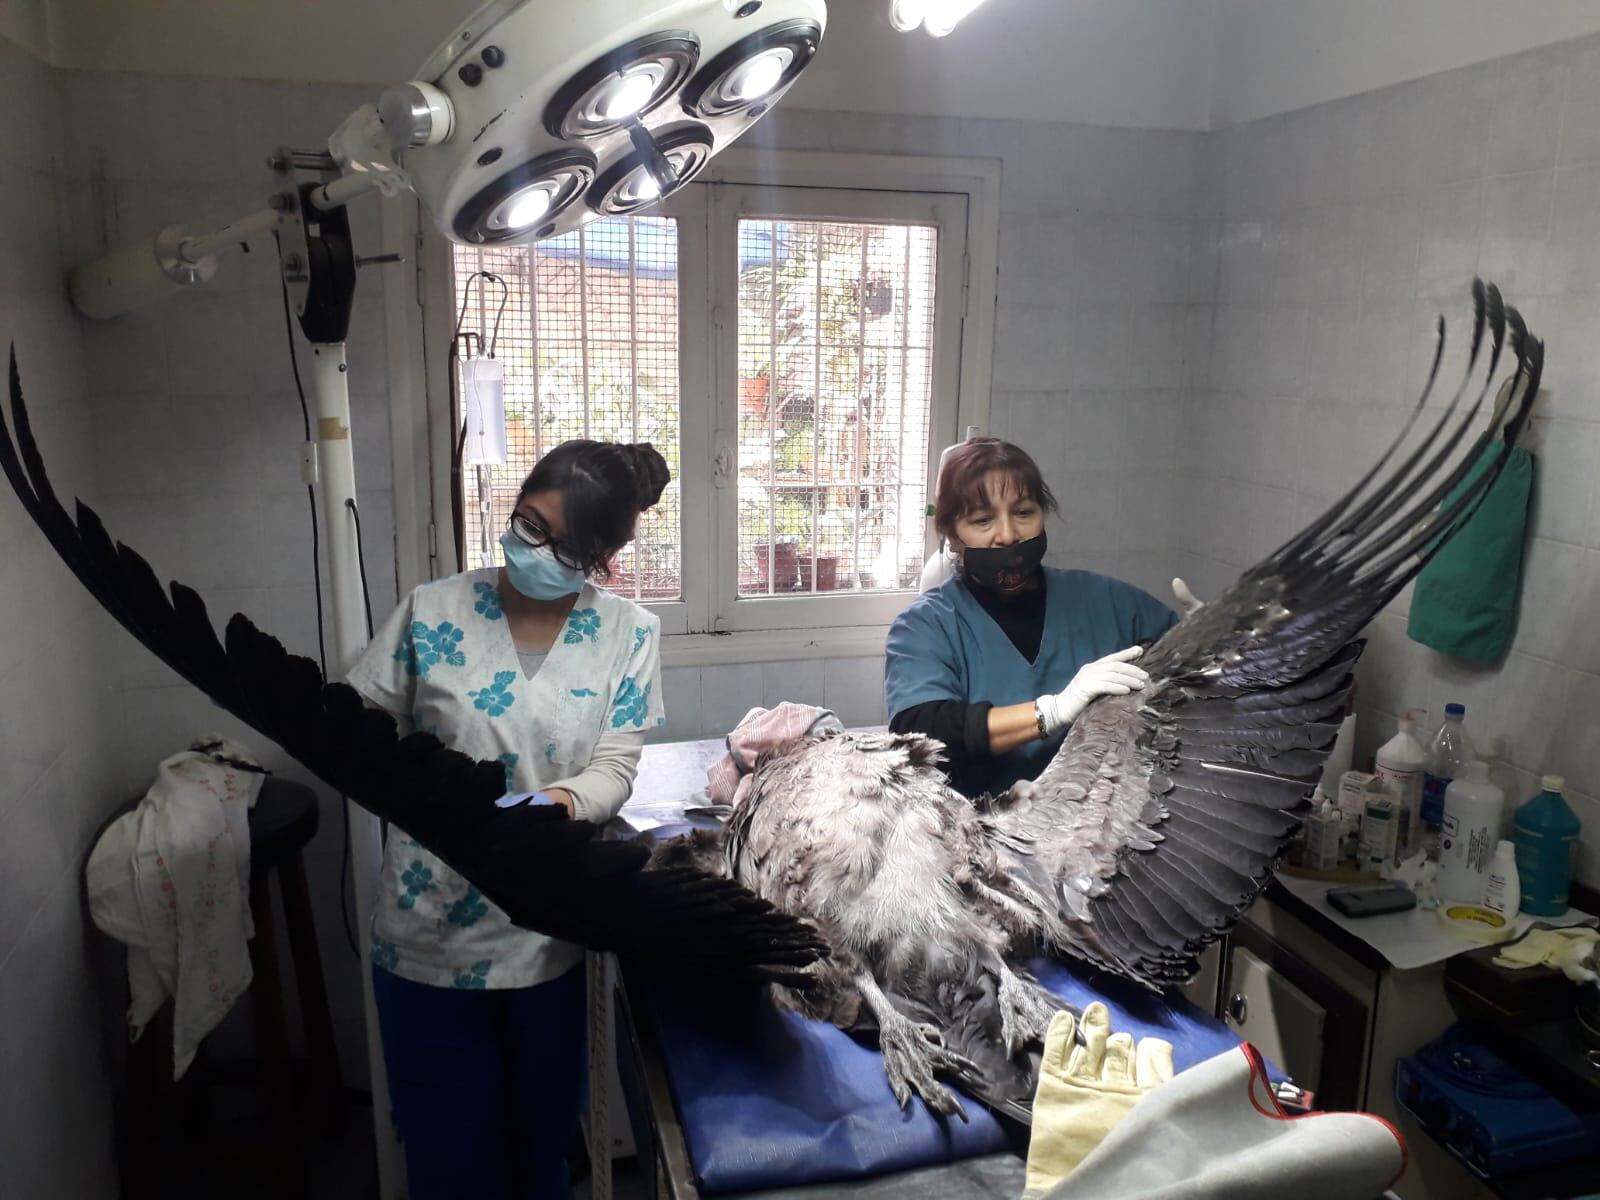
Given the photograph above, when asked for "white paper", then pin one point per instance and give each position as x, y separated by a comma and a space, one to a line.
1416, 938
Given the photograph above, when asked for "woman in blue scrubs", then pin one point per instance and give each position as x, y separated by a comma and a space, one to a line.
996, 661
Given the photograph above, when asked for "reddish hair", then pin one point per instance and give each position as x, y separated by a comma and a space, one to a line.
964, 481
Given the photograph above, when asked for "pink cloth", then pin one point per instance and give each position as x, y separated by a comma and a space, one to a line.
728, 778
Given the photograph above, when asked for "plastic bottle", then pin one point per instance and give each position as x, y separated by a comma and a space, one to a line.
1324, 833
1449, 750
1400, 763
1503, 891
1473, 811
1380, 824
1545, 832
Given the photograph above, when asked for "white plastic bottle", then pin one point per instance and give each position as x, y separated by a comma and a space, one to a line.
1474, 809
1324, 834
1401, 763
1504, 891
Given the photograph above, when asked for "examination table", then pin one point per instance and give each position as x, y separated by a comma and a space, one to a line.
727, 1096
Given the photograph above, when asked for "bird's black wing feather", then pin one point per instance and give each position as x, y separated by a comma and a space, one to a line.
548, 873
1163, 814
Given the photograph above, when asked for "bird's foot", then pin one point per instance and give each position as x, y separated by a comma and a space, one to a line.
912, 1053
1024, 1012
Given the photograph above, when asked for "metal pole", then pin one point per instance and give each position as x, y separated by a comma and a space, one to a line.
330, 386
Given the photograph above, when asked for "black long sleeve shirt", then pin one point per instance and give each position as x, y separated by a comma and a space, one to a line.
964, 727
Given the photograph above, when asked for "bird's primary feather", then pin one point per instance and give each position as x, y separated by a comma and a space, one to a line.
1162, 815
548, 873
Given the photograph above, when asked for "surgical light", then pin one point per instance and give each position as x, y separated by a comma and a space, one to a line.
629, 95
524, 208
746, 78
754, 79
660, 165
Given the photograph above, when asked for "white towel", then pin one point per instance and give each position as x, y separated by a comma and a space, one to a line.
1216, 1132
172, 880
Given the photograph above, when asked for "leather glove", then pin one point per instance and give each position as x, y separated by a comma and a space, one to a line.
1113, 675
1085, 1091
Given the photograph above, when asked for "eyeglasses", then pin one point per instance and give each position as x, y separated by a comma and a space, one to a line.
529, 530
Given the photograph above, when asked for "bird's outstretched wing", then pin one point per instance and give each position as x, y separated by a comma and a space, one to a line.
548, 873
1163, 814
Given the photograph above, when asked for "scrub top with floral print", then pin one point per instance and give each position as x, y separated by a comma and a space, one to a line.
447, 660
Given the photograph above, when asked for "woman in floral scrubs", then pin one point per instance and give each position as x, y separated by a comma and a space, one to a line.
532, 665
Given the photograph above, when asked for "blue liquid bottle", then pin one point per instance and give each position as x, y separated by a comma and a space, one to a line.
1545, 831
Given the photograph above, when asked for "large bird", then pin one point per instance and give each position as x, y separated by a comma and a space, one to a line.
548, 872
1155, 825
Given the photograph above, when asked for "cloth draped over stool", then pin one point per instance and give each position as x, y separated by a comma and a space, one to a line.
171, 879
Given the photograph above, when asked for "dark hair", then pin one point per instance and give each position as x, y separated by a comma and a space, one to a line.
604, 487
963, 482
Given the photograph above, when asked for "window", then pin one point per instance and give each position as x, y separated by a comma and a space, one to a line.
799, 355
586, 333
836, 328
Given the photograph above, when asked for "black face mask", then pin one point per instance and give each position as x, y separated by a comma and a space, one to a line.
1003, 568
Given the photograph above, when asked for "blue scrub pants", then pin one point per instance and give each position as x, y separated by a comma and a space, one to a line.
487, 1086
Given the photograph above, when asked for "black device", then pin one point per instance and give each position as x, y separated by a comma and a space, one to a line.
1372, 899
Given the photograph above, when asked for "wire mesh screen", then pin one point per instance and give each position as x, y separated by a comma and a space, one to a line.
836, 328
588, 341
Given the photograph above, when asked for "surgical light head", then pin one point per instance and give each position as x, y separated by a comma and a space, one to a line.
533, 118
559, 111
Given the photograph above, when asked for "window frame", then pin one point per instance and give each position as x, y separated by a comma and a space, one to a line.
419, 312
732, 203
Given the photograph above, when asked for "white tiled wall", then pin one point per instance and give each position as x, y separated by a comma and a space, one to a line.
194, 420
1339, 233
55, 769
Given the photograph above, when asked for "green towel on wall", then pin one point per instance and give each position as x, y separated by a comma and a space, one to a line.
1465, 603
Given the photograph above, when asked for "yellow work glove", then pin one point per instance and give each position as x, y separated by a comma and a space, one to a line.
1084, 1091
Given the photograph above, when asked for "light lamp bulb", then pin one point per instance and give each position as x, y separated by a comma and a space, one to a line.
757, 77
525, 209
628, 95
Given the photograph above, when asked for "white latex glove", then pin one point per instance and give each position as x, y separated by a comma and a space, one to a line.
1113, 675
1187, 602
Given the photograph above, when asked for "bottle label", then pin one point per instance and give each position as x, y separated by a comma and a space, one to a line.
1433, 799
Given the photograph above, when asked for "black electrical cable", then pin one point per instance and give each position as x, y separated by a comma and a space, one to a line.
316, 577
361, 562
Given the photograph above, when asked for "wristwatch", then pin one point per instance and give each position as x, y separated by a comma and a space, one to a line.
1038, 715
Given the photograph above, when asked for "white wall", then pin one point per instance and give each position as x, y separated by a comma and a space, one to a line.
1340, 232
56, 778
1273, 56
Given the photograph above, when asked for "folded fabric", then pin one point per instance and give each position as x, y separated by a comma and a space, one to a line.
1217, 1132
1564, 949
172, 880
761, 729
1465, 603
1086, 1090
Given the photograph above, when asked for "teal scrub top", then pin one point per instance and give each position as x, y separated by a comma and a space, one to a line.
946, 647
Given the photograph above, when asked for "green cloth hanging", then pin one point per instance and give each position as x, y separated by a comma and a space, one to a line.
1465, 604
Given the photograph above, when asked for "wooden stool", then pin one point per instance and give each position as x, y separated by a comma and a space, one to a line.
282, 823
